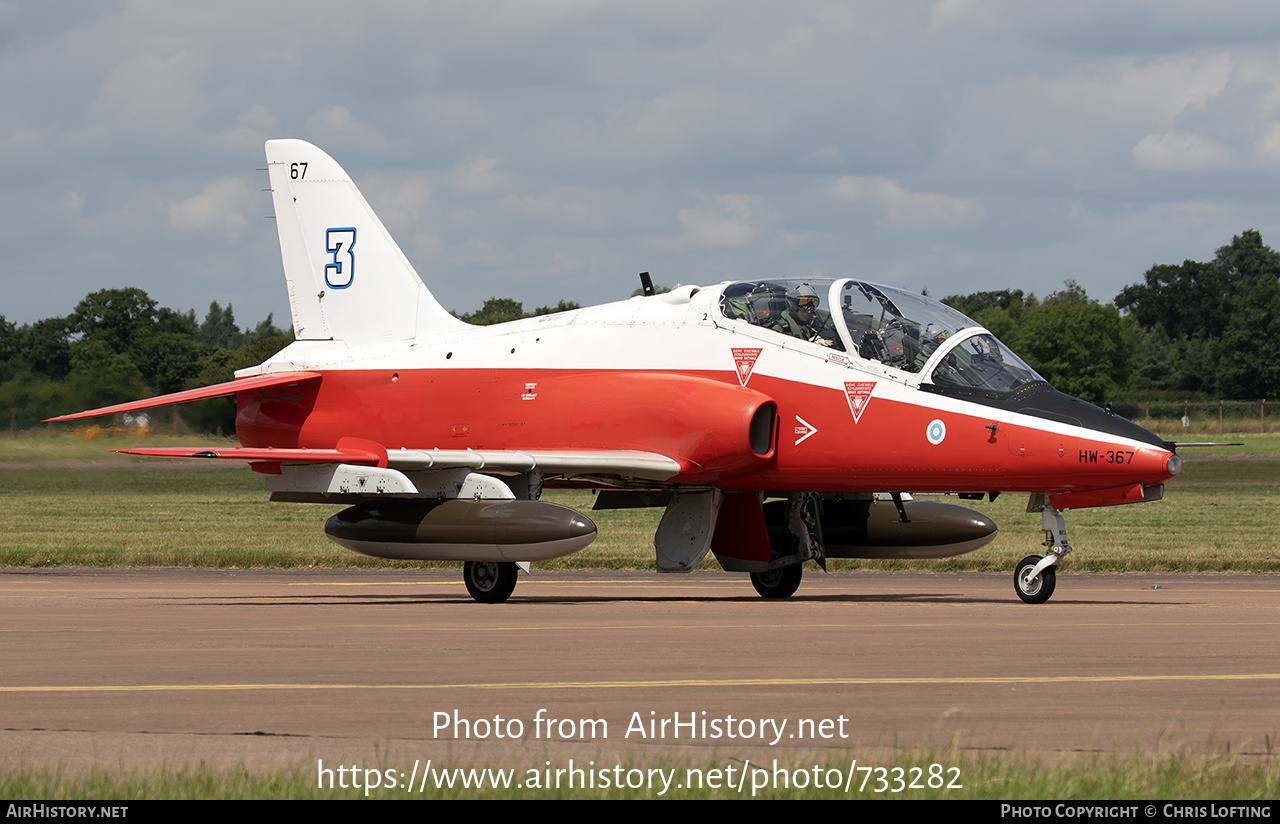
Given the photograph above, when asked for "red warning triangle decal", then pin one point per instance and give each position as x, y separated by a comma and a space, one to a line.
858, 393
744, 360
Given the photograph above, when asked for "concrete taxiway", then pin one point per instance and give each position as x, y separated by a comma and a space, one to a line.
145, 668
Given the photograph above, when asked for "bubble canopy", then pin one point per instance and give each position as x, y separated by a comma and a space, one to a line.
898, 329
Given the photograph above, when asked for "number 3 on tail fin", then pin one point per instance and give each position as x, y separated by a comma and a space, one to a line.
340, 243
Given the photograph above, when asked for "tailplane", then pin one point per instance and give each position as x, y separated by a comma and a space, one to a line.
347, 278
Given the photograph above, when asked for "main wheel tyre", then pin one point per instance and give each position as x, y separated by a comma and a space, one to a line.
490, 582
780, 582
1039, 590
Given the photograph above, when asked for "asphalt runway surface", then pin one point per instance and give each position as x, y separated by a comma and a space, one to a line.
167, 668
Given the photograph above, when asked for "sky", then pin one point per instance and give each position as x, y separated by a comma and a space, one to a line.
552, 149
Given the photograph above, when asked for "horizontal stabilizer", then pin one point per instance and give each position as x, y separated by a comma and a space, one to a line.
217, 390
348, 451
238, 453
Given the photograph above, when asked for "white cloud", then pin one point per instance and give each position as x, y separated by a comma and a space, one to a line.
1165, 88
562, 262
219, 205
74, 203
337, 127
1267, 146
400, 201
1177, 151
478, 175
150, 94
254, 126
531, 204
949, 12
675, 116
426, 245
21, 144
333, 119
726, 223
900, 207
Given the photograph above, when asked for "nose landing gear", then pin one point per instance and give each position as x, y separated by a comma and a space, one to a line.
1034, 578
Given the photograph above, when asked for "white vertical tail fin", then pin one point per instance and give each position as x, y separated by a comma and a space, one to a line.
347, 278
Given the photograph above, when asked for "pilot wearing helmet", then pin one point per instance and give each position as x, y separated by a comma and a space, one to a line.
799, 320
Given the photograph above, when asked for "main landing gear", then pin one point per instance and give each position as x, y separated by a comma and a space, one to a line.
489, 582
780, 582
795, 534
1035, 578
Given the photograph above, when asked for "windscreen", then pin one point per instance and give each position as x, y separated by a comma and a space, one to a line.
899, 329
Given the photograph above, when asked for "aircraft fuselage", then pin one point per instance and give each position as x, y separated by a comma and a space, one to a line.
670, 375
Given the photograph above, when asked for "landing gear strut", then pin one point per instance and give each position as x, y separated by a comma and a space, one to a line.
489, 582
1035, 578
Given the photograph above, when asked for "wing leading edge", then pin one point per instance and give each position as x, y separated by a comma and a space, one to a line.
650, 466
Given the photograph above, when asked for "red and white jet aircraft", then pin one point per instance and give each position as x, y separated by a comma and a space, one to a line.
777, 420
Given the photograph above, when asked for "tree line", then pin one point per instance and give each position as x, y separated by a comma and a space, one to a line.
119, 345
1188, 331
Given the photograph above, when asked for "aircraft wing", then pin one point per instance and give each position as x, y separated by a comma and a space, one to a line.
360, 452
649, 466
217, 390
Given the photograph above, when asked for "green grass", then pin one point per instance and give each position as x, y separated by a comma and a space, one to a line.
1253, 444
1205, 421
69, 501
1178, 776
1216, 516
90, 444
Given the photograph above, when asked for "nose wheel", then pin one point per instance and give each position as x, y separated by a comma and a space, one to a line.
1033, 588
